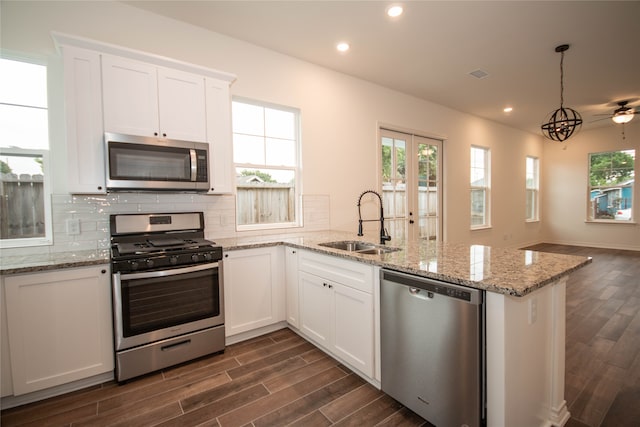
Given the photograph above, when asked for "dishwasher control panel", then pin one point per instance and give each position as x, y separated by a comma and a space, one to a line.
450, 290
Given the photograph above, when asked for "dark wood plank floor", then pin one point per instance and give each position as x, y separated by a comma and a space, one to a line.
274, 380
602, 380
281, 379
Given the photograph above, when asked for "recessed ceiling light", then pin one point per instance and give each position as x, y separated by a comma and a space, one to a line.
342, 46
508, 109
394, 10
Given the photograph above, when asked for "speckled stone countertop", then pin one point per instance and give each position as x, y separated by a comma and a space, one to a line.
54, 261
505, 271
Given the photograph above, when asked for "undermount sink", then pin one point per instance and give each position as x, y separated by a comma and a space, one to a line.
359, 247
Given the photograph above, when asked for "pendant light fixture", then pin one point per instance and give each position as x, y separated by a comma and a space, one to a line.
563, 122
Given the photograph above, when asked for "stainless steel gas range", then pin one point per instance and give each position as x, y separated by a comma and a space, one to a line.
167, 291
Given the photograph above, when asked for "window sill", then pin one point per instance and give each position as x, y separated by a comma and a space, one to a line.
609, 221
482, 227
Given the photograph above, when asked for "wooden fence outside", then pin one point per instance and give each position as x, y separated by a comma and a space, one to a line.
265, 203
21, 206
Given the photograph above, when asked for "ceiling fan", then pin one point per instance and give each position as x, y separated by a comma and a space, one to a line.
623, 114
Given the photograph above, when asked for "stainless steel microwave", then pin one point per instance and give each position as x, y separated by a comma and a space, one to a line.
139, 163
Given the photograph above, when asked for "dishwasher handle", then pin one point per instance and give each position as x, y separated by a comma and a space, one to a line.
420, 293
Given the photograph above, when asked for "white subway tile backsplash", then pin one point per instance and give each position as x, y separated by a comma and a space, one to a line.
93, 212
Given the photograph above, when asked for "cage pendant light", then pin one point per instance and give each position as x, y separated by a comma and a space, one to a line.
563, 122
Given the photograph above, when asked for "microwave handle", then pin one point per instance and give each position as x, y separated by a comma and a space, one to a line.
194, 164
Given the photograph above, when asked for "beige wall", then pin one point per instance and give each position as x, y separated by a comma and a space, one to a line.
340, 114
565, 179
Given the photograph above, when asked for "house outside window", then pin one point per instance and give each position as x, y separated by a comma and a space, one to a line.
266, 153
532, 170
480, 187
25, 197
611, 179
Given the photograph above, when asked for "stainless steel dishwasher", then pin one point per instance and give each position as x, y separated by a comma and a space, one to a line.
432, 345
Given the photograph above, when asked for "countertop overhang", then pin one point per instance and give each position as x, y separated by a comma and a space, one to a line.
515, 272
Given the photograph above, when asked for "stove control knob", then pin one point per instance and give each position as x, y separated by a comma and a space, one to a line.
173, 260
133, 265
149, 263
194, 257
207, 256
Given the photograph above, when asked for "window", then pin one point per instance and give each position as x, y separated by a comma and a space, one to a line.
24, 149
532, 188
611, 177
266, 156
480, 185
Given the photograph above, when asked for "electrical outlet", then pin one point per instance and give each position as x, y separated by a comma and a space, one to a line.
73, 226
533, 310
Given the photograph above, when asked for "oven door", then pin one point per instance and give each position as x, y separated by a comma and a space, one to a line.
155, 305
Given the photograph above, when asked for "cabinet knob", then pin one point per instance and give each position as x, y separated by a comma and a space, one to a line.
103, 271
155, 134
226, 255
164, 134
330, 286
99, 187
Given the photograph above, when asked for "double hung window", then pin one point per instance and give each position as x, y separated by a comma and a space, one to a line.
266, 146
532, 188
24, 149
480, 187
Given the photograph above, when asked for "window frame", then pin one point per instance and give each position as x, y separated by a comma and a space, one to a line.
486, 188
47, 239
590, 188
533, 216
296, 169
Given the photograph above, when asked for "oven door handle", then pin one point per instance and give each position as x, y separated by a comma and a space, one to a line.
167, 273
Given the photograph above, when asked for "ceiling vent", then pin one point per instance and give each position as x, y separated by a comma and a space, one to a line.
479, 74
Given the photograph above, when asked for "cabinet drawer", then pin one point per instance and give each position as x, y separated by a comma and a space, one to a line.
350, 273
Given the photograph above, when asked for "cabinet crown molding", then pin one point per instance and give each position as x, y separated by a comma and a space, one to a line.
62, 39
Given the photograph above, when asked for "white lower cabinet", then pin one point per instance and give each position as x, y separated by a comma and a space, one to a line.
254, 292
59, 326
336, 308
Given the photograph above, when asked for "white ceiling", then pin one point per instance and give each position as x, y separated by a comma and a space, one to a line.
429, 51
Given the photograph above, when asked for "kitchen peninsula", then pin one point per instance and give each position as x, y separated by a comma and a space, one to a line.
525, 306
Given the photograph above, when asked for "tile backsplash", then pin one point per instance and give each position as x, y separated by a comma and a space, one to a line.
93, 213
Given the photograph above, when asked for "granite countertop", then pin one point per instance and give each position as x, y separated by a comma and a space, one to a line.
505, 271
52, 261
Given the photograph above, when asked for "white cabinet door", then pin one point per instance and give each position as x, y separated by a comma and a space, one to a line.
59, 326
336, 308
353, 336
83, 109
181, 99
143, 99
316, 309
219, 136
130, 96
253, 283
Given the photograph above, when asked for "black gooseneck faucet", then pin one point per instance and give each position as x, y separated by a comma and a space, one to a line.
384, 235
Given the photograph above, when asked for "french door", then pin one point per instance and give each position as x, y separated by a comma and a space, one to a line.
411, 185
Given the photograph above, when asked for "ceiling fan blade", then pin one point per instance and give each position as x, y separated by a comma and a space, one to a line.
598, 120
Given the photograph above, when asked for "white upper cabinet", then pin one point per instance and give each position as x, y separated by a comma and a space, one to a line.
83, 105
143, 99
219, 136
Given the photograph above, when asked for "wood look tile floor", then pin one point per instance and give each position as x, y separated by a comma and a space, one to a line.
274, 380
602, 371
281, 379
